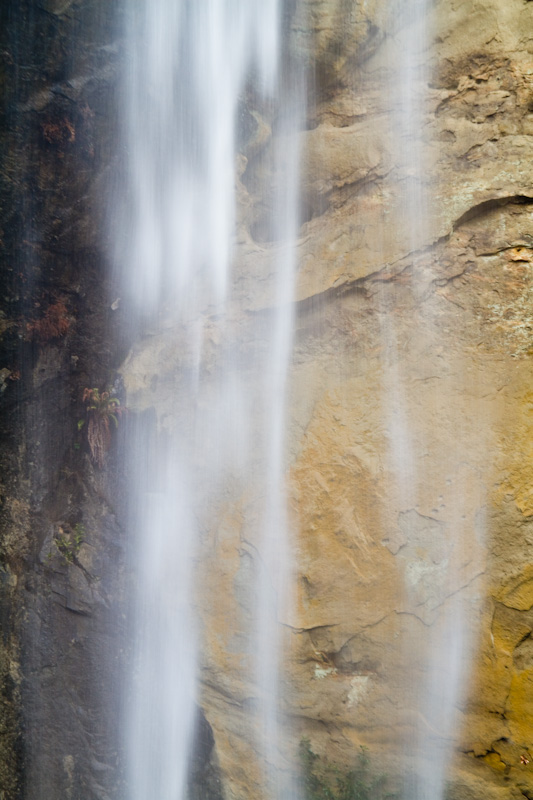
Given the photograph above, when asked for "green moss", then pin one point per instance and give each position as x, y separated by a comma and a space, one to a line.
10, 743
325, 781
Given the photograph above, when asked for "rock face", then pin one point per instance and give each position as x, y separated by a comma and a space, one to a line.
410, 468
61, 542
410, 410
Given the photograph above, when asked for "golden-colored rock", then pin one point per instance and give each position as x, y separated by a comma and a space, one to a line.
411, 422
518, 592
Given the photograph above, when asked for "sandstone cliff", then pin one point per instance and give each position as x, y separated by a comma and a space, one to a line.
431, 338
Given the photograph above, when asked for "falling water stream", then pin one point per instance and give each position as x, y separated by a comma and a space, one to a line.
188, 67
439, 687
189, 64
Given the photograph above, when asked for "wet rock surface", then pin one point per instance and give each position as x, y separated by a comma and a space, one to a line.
64, 581
61, 543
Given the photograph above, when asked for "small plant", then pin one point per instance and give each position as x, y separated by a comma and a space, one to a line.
68, 543
324, 781
52, 325
102, 409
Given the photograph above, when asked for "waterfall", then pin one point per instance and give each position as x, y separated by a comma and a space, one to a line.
189, 67
437, 693
204, 84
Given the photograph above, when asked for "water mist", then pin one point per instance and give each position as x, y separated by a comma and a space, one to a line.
436, 693
188, 68
208, 446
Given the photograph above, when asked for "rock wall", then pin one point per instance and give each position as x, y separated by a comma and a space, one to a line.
425, 343
421, 347
60, 543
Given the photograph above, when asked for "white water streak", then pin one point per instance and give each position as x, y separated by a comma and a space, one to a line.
189, 65
275, 578
443, 648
